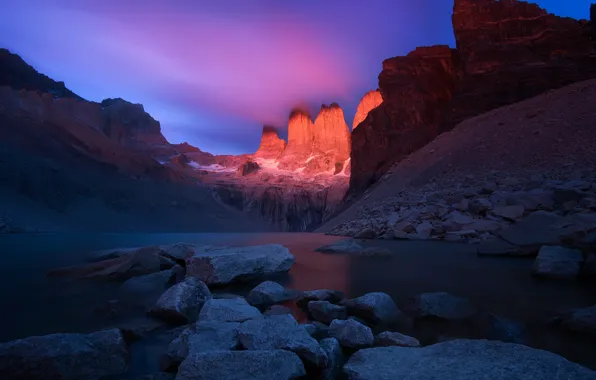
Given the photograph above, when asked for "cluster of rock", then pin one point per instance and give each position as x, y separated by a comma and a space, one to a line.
505, 52
257, 337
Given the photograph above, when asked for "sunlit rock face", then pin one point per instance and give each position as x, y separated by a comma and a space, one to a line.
369, 101
300, 141
271, 146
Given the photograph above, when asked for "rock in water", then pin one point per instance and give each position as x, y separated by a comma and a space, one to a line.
182, 302
227, 264
558, 263
443, 305
282, 332
64, 356
351, 334
581, 320
374, 307
269, 293
245, 365
463, 360
228, 310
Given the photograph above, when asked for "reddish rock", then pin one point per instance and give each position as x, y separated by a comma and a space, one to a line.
249, 167
186, 148
416, 90
331, 133
300, 141
369, 101
271, 146
230, 161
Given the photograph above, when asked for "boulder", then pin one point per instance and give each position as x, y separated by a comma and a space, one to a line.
64, 356
387, 338
558, 263
247, 168
200, 337
443, 305
462, 359
335, 359
246, 365
581, 320
341, 246
375, 307
278, 310
269, 293
317, 330
533, 231
147, 284
182, 302
325, 312
228, 264
333, 296
366, 233
281, 332
351, 334
228, 310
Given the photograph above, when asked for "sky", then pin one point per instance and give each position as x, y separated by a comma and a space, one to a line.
213, 72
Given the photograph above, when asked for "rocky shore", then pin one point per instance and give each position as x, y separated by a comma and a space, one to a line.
181, 292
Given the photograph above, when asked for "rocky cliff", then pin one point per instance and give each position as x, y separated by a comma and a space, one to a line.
271, 146
369, 101
507, 51
300, 140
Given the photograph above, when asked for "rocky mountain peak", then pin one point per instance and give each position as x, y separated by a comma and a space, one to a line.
331, 133
271, 146
369, 101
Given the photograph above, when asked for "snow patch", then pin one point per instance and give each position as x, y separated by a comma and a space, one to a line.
210, 168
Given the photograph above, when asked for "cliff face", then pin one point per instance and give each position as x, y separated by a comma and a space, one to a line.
369, 101
416, 90
507, 51
300, 141
271, 146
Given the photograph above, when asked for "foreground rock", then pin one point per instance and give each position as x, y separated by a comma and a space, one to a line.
558, 263
249, 365
269, 293
333, 296
463, 360
374, 307
326, 312
228, 310
182, 302
351, 334
388, 338
217, 266
64, 356
200, 337
335, 358
281, 332
443, 305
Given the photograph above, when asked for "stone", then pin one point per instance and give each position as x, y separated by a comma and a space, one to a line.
480, 206
351, 334
228, 264
247, 168
484, 225
228, 310
369, 101
282, 332
277, 310
374, 307
443, 305
335, 359
341, 246
65, 356
509, 212
581, 320
533, 231
200, 337
424, 229
366, 233
462, 359
333, 296
249, 365
147, 284
269, 293
325, 312
317, 330
182, 303
558, 263
458, 218
387, 338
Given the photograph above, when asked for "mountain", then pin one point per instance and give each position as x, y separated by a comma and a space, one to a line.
369, 101
506, 51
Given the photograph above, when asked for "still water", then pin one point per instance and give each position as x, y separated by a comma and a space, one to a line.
34, 304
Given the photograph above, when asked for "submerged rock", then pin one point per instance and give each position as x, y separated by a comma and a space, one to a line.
182, 302
64, 356
216, 266
228, 310
581, 320
269, 293
443, 305
558, 263
462, 359
281, 332
248, 365
351, 334
375, 307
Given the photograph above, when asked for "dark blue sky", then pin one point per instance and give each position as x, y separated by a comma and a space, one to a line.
213, 72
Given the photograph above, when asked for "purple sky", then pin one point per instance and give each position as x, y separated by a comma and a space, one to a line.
213, 72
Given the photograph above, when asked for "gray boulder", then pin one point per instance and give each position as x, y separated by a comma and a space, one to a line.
269, 293
228, 310
326, 312
388, 338
333, 296
443, 305
228, 264
558, 263
375, 307
341, 246
317, 330
335, 358
463, 360
64, 356
351, 334
281, 332
245, 365
182, 303
200, 337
